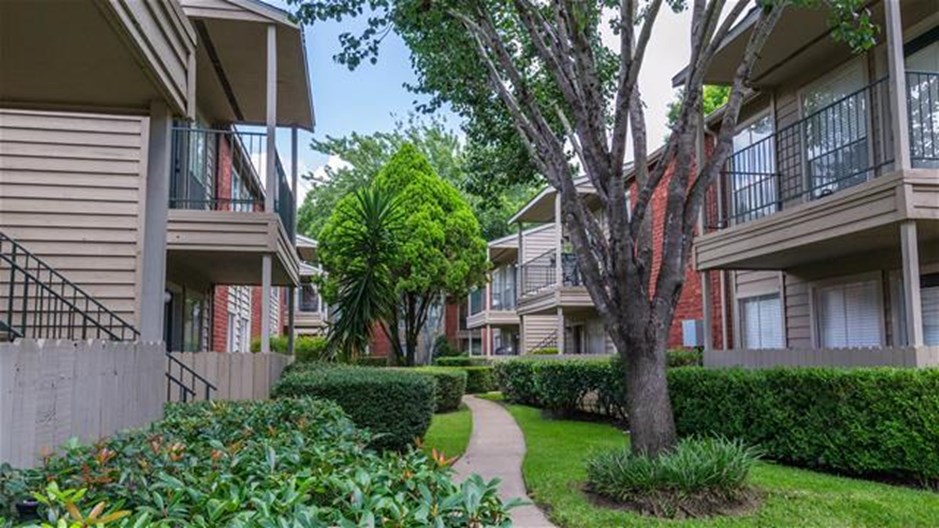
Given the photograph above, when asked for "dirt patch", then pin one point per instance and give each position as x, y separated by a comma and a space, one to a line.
673, 505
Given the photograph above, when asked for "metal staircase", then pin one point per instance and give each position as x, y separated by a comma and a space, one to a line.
39, 302
550, 341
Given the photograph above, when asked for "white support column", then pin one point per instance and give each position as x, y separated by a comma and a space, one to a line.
266, 303
897, 67
560, 331
271, 152
271, 181
558, 241
911, 283
292, 291
156, 210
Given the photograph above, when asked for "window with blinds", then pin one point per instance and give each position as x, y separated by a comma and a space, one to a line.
849, 315
761, 322
929, 298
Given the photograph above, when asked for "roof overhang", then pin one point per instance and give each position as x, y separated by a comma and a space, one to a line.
306, 248
117, 57
504, 250
540, 209
800, 44
231, 73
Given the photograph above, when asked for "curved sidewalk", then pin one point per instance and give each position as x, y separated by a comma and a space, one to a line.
496, 449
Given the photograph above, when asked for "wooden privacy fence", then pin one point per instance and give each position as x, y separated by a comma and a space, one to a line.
824, 357
236, 376
53, 390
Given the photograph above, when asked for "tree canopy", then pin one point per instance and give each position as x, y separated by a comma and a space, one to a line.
432, 250
363, 155
539, 78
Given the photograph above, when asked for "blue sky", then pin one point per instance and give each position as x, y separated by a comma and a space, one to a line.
372, 97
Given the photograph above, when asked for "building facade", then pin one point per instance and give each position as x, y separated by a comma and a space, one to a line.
822, 235
138, 166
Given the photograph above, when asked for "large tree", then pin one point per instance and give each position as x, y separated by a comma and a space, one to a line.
434, 250
363, 155
574, 105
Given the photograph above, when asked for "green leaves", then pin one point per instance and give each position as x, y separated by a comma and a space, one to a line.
277, 464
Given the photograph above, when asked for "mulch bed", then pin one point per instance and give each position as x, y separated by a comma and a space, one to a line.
672, 505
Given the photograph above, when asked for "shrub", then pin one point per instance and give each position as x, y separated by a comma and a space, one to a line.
878, 421
548, 351
443, 348
480, 379
461, 361
278, 344
450, 385
695, 478
871, 421
276, 463
395, 404
310, 348
684, 357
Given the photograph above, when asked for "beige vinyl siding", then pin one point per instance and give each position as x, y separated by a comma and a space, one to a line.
536, 242
537, 328
798, 312
71, 191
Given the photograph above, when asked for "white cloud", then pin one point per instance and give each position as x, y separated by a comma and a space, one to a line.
319, 173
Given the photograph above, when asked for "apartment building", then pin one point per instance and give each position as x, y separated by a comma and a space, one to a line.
141, 191
312, 312
823, 231
536, 298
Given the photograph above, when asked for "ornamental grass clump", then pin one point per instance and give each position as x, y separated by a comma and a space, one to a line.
700, 477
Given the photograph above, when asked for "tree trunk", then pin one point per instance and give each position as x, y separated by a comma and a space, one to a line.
651, 421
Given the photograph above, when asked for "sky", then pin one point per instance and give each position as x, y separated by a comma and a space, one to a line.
373, 97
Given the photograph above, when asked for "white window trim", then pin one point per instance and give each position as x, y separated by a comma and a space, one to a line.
873, 276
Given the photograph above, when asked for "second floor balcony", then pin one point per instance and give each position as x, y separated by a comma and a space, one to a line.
545, 284
797, 193
218, 226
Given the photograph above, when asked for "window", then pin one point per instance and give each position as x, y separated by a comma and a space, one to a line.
761, 322
929, 298
309, 298
503, 288
753, 171
195, 313
849, 315
835, 125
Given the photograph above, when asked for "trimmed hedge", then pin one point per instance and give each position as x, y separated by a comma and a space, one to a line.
480, 379
461, 361
880, 422
548, 351
394, 404
450, 386
872, 421
684, 357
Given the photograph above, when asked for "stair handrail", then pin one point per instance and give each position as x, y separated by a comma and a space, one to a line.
119, 321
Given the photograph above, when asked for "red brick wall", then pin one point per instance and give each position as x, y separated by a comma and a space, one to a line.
223, 173
690, 302
380, 346
219, 337
451, 323
255, 312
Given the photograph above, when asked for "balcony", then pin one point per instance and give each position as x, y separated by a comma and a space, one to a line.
218, 229
542, 293
501, 310
822, 179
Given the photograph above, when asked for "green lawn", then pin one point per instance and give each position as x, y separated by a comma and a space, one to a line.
554, 471
449, 432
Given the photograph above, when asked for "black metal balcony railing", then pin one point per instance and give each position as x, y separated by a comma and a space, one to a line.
205, 159
539, 273
843, 144
220, 170
923, 109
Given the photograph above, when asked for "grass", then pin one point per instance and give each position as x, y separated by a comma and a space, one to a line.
554, 471
449, 432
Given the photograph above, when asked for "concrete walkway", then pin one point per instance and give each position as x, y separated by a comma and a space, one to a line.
496, 449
